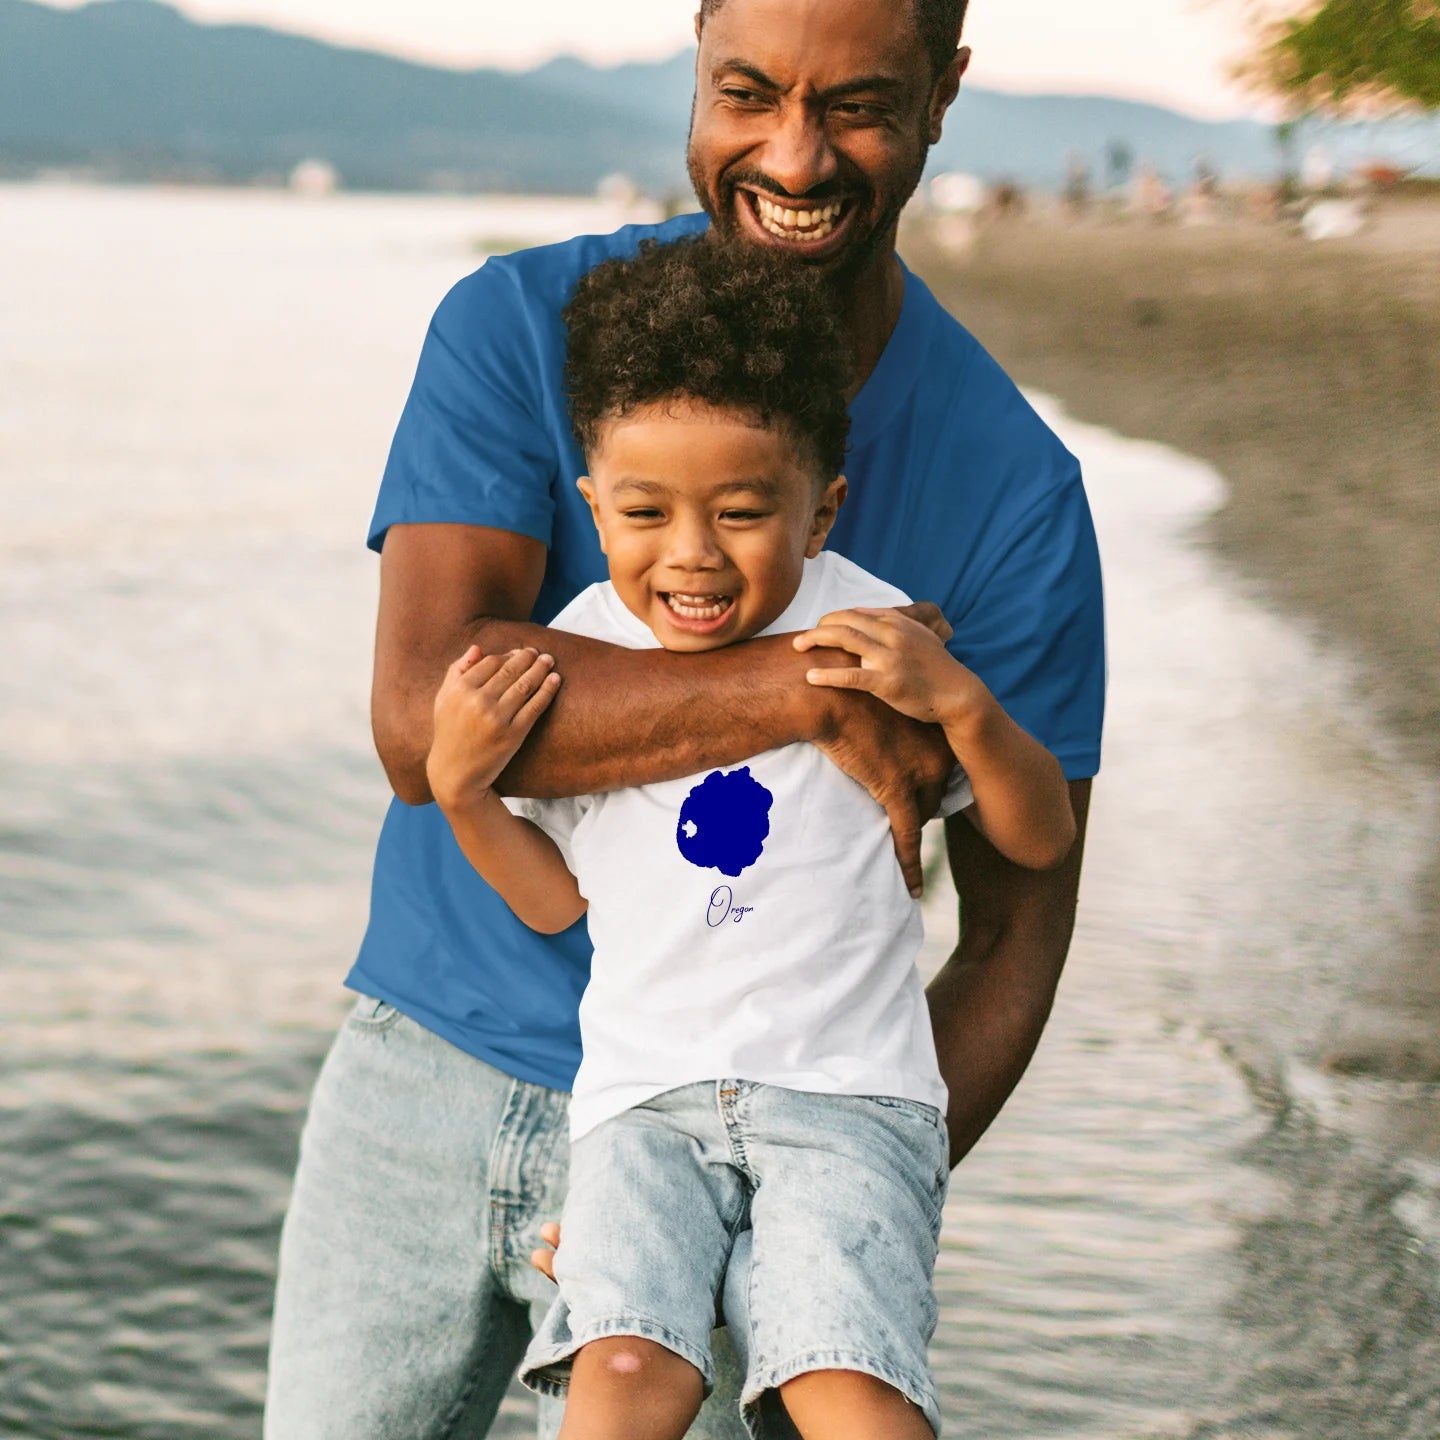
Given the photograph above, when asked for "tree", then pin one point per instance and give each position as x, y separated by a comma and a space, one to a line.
1344, 54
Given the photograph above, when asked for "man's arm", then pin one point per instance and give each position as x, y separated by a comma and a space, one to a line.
623, 717
990, 1002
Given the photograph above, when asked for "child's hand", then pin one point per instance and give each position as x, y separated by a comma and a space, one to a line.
543, 1259
485, 707
902, 661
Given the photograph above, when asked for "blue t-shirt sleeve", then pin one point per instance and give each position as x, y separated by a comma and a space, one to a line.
1034, 629
472, 446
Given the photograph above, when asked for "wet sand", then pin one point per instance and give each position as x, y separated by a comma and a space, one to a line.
1308, 375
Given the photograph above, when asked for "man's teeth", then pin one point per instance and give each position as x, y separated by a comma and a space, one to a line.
698, 607
786, 224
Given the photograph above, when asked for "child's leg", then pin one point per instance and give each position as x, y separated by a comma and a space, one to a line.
845, 1218
848, 1405
626, 1388
645, 1237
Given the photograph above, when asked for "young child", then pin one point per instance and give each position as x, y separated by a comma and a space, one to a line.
757, 1049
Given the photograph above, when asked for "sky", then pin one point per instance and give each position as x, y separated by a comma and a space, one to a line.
1172, 51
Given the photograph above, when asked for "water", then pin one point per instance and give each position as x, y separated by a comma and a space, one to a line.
1172, 1231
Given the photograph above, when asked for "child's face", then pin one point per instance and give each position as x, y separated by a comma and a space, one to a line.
706, 519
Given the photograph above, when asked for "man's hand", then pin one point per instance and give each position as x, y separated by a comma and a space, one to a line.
484, 709
904, 764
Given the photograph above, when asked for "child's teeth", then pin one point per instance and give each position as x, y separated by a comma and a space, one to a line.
699, 607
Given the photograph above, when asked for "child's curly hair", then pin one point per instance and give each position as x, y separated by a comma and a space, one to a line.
694, 319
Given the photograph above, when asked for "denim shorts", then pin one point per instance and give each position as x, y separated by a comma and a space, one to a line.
813, 1219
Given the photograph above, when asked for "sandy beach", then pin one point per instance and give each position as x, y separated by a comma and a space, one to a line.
1308, 375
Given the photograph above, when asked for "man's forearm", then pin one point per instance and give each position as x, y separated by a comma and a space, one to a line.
990, 1002
634, 717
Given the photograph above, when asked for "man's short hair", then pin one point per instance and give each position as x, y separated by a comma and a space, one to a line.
939, 23
731, 326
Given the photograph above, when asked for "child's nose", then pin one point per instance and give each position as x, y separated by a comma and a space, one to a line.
693, 546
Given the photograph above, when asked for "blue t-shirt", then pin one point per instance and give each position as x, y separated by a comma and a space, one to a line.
959, 494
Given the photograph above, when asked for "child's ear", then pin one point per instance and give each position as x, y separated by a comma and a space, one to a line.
825, 512
586, 486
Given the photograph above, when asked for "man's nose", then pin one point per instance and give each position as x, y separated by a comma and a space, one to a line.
798, 155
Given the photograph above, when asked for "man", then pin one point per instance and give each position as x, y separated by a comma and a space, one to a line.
435, 1143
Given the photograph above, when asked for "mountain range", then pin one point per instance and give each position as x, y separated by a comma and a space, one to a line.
134, 89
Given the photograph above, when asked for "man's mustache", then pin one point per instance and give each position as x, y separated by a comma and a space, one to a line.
757, 180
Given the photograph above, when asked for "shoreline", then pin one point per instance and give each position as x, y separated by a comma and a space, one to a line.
1308, 376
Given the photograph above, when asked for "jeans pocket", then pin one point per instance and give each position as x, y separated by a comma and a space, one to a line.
934, 1145
371, 1016
918, 1108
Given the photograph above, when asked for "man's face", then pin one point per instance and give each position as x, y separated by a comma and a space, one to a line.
811, 123
706, 518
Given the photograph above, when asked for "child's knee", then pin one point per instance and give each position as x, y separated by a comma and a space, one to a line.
631, 1359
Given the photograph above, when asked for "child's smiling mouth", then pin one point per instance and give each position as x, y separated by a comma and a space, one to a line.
698, 613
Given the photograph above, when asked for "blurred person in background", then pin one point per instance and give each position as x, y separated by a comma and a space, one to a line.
435, 1144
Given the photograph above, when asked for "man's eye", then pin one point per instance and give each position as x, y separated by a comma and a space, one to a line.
858, 110
738, 95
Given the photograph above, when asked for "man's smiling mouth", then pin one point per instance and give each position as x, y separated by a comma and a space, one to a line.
797, 224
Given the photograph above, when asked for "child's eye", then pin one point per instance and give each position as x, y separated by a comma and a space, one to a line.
743, 514
644, 512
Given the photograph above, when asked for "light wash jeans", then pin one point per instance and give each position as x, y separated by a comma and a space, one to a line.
813, 1219
405, 1295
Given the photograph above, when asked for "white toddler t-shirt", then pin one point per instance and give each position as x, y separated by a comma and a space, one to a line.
750, 923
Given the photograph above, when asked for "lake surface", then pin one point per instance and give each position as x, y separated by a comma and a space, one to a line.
1171, 1234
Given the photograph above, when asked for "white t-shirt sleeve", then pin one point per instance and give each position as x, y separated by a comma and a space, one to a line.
557, 818
958, 794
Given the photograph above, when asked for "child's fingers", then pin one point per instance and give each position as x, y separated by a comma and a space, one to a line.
470, 671
479, 674
456, 668
840, 637
852, 679
536, 705
872, 619
517, 680
508, 668
543, 1259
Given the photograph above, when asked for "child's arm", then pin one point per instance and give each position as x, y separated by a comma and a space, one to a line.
484, 709
1022, 802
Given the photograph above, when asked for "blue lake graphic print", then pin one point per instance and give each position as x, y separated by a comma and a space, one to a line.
724, 821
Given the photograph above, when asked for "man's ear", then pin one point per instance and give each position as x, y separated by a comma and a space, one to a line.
586, 486
825, 511
946, 88
699, 21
